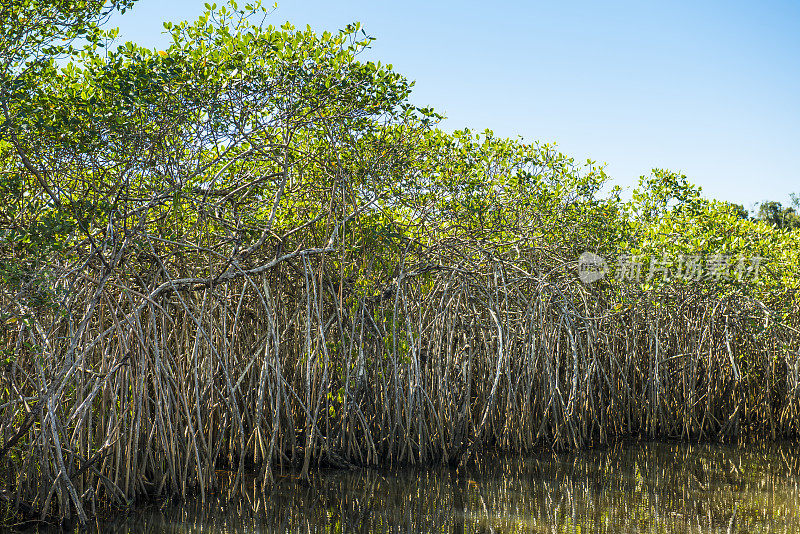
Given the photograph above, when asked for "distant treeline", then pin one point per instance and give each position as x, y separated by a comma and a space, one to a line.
251, 251
774, 213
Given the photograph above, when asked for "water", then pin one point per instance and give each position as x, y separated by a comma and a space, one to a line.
656, 487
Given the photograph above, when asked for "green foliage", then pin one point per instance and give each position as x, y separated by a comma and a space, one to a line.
739, 210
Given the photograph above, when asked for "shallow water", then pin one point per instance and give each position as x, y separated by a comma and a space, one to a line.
653, 487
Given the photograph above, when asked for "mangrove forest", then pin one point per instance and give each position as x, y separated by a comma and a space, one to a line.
252, 252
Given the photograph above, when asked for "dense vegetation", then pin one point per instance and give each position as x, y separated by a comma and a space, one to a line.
250, 250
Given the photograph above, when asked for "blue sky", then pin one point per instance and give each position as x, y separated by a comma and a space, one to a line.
711, 89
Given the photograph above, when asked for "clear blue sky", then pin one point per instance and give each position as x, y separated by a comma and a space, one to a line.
711, 89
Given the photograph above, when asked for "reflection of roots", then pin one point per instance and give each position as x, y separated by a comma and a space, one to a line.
622, 489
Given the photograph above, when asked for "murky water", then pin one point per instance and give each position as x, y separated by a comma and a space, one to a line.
632, 488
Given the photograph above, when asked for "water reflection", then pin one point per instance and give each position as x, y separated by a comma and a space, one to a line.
633, 488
